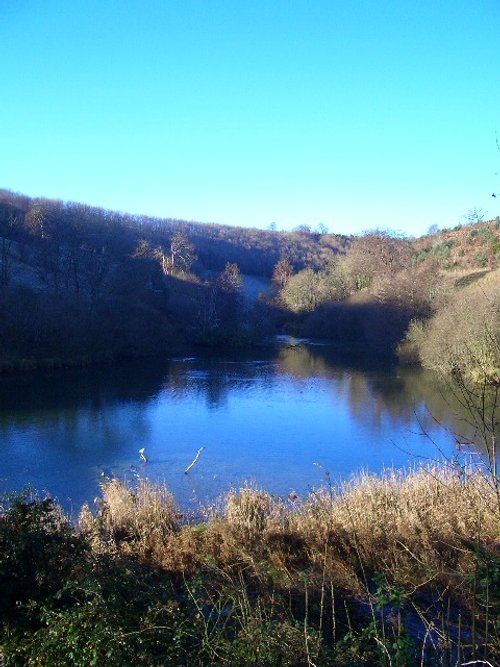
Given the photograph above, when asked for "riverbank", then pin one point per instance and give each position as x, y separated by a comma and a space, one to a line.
398, 569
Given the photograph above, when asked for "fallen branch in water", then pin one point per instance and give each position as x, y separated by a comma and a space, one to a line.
194, 460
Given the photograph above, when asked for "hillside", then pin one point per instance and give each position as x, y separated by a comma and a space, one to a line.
468, 247
256, 252
79, 283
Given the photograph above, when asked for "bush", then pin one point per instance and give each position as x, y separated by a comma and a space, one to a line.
464, 335
38, 550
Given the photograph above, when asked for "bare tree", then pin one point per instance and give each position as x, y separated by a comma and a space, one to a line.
182, 253
230, 280
282, 273
374, 254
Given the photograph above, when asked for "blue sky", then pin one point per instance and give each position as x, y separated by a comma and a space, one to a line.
355, 114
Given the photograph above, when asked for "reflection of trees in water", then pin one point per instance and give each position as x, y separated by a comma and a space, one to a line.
216, 387
215, 379
410, 396
303, 361
371, 391
395, 393
72, 404
427, 398
183, 381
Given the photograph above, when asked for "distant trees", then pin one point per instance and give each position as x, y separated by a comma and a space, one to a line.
230, 281
182, 253
464, 334
282, 273
301, 291
221, 311
366, 296
412, 290
305, 230
376, 254
228, 287
39, 219
8, 224
86, 267
371, 262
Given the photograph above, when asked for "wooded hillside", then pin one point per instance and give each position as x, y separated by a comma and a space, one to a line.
80, 283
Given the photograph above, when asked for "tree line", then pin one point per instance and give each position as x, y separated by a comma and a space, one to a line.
79, 282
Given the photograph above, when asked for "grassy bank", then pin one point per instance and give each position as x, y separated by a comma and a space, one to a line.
401, 569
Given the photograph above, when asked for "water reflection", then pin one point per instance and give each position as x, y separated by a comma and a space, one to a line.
375, 393
268, 416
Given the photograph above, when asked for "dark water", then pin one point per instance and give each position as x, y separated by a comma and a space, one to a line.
280, 417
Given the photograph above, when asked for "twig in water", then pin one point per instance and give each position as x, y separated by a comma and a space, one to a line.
194, 460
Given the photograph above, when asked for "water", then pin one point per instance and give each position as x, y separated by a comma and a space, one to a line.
279, 418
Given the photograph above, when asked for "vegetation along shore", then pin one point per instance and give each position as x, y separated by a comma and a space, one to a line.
399, 569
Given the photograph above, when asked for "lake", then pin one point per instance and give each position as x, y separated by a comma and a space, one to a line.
279, 417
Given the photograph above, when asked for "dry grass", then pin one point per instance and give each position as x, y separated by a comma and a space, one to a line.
137, 521
249, 510
413, 525
426, 534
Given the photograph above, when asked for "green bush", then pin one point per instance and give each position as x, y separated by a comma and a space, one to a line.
38, 550
61, 605
482, 259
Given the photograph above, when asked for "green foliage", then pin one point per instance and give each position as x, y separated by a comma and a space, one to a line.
486, 234
472, 235
38, 550
486, 580
421, 256
118, 615
270, 643
481, 259
495, 246
441, 251
62, 606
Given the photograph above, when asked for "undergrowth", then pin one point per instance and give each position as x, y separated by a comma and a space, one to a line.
394, 570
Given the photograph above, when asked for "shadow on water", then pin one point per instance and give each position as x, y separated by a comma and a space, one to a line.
268, 416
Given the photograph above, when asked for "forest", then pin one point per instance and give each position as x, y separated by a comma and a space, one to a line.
80, 284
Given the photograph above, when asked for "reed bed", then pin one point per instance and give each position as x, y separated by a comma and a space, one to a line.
135, 521
404, 563
395, 570
421, 516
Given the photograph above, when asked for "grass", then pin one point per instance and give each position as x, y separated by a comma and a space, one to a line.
398, 569
418, 534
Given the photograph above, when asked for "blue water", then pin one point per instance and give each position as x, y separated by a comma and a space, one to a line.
279, 418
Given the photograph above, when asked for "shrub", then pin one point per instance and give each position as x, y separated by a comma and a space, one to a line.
481, 259
38, 550
465, 334
352, 574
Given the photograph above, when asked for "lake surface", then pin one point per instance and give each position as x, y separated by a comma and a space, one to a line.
279, 417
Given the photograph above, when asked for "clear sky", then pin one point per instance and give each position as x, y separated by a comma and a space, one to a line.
355, 114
